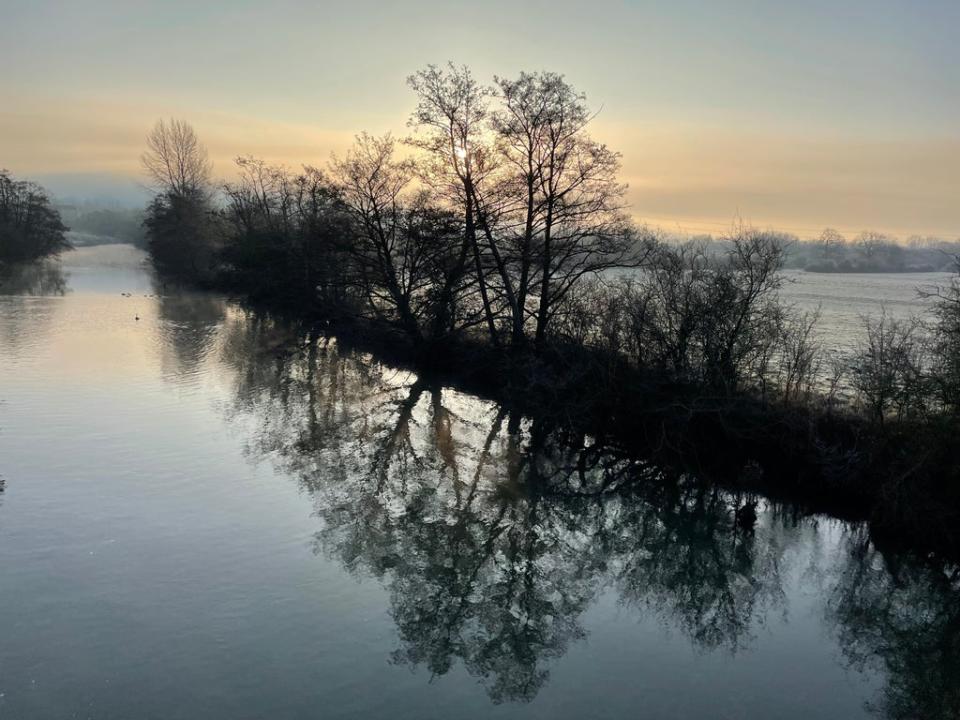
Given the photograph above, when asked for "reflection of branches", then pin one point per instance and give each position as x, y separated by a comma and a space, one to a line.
189, 322
697, 570
493, 533
44, 277
904, 619
26, 319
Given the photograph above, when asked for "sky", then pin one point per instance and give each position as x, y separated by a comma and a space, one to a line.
794, 116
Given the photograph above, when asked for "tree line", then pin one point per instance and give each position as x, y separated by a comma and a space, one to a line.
505, 222
872, 251
507, 206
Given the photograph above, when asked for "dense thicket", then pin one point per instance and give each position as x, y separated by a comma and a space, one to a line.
30, 228
286, 237
494, 244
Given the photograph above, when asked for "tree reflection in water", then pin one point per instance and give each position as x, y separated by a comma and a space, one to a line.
189, 323
494, 533
41, 278
902, 618
25, 320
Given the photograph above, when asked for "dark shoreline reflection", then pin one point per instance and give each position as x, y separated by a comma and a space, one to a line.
903, 619
24, 286
189, 324
494, 534
38, 279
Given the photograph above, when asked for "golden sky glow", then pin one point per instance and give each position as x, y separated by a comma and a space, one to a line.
841, 114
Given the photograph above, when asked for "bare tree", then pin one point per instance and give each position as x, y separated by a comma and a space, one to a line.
710, 320
450, 121
181, 228
409, 258
563, 201
371, 182
946, 340
541, 203
584, 227
831, 243
287, 234
889, 369
175, 161
870, 242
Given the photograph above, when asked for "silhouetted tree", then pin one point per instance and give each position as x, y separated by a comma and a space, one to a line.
451, 122
175, 161
390, 266
564, 206
890, 368
407, 255
286, 236
181, 229
182, 235
946, 342
716, 321
30, 227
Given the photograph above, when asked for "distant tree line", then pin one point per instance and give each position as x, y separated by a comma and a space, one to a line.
30, 227
866, 252
105, 225
871, 251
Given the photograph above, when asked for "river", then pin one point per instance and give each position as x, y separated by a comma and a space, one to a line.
845, 299
206, 513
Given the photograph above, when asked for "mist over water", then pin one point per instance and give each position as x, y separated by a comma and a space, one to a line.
209, 513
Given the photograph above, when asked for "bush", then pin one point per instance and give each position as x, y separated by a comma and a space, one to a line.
889, 371
183, 235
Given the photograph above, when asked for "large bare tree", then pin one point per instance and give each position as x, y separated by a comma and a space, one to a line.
175, 161
541, 202
409, 256
372, 182
450, 123
567, 205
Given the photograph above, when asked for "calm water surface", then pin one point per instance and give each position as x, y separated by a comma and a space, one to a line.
208, 514
844, 299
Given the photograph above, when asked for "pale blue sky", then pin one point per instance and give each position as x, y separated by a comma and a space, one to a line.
800, 116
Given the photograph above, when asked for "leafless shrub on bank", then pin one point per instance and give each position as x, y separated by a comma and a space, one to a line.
890, 368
